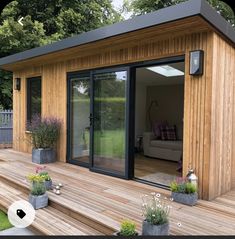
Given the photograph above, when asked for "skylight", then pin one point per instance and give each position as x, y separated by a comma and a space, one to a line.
166, 70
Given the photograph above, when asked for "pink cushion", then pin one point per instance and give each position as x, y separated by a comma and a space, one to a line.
157, 128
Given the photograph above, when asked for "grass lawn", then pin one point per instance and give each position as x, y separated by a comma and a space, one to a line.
110, 143
4, 222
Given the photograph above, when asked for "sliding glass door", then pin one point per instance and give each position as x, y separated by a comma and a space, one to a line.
97, 129
109, 121
79, 124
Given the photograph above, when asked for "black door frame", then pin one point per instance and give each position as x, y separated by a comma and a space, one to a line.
168, 60
69, 159
92, 167
130, 112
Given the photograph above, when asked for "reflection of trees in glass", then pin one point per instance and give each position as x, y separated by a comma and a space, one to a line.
109, 105
35, 97
81, 88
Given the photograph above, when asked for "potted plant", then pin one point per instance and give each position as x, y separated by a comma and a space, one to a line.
128, 228
45, 175
156, 213
38, 196
44, 135
184, 191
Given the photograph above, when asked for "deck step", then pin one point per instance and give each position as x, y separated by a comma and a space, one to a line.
48, 221
218, 206
99, 223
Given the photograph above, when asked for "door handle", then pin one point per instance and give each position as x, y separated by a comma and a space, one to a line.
91, 119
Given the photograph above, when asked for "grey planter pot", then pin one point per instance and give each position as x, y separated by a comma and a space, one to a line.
48, 184
39, 201
42, 156
187, 199
152, 230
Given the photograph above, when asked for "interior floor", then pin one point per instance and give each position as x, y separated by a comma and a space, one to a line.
156, 170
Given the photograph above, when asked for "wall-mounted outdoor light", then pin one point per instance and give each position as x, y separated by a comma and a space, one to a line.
196, 62
17, 84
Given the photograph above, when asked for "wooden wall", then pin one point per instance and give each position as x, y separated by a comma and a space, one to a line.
222, 159
199, 110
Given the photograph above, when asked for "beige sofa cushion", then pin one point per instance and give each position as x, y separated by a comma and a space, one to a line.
177, 145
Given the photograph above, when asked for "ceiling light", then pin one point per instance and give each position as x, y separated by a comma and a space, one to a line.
166, 70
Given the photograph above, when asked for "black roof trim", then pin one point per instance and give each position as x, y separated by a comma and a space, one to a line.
169, 14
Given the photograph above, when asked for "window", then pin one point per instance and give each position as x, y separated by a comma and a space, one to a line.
34, 89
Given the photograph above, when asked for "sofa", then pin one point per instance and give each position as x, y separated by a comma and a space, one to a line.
162, 149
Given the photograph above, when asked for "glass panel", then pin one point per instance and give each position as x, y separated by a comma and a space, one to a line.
109, 121
34, 97
80, 124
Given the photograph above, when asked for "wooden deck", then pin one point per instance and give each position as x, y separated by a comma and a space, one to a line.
94, 204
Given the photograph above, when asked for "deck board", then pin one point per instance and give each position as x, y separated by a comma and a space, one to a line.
108, 200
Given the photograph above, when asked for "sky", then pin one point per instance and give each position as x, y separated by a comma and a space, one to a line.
118, 4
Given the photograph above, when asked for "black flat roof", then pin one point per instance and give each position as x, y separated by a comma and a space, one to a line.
169, 14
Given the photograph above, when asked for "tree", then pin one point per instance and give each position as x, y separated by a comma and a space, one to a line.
144, 6
46, 21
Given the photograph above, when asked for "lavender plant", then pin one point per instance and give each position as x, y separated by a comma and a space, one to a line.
44, 131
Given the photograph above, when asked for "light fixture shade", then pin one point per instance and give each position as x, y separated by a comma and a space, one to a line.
196, 62
17, 84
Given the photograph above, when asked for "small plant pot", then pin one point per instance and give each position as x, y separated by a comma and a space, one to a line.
48, 184
118, 234
187, 199
39, 201
153, 230
43, 156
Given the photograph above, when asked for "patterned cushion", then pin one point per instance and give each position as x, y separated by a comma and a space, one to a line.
168, 132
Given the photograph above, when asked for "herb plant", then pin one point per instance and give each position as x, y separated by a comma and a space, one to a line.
128, 228
182, 185
156, 209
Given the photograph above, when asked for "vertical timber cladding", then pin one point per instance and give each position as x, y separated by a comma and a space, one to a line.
222, 160
197, 90
53, 104
21, 138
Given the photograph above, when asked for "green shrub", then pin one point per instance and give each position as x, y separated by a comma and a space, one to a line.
128, 228
182, 185
190, 188
37, 184
38, 188
45, 175
155, 209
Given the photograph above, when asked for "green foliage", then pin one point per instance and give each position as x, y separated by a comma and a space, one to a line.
38, 188
45, 176
156, 209
37, 184
190, 188
128, 228
182, 185
4, 222
144, 6
45, 22
5, 90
